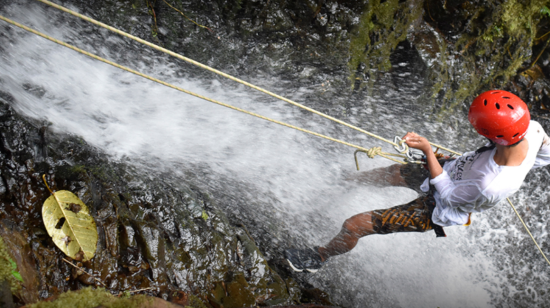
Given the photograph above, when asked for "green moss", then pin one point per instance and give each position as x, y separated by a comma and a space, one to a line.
195, 302
90, 298
491, 42
78, 169
382, 26
8, 269
495, 46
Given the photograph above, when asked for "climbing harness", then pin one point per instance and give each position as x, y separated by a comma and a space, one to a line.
408, 155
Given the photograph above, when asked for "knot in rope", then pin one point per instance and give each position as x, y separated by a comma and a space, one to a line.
372, 152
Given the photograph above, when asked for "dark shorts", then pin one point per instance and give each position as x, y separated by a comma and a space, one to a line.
415, 216
414, 175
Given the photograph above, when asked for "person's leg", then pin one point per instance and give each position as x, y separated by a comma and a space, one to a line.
353, 228
360, 225
404, 218
414, 216
383, 176
410, 175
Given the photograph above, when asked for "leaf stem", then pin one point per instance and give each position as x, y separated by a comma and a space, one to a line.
84, 271
44, 178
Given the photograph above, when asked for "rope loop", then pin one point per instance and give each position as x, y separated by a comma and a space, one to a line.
372, 152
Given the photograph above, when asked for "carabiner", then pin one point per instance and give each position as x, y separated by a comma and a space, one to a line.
400, 146
413, 156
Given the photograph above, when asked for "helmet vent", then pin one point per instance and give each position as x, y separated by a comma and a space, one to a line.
485, 102
506, 97
500, 136
496, 92
497, 105
510, 106
514, 136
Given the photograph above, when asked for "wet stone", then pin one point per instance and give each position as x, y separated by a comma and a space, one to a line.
154, 232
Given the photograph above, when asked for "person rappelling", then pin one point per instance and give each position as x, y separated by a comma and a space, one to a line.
451, 189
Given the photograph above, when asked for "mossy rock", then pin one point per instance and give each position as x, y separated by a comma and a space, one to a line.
6, 268
233, 294
90, 298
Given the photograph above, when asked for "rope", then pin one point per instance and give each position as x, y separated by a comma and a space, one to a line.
527, 229
208, 68
181, 89
372, 152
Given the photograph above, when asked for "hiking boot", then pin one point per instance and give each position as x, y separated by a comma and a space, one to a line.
304, 259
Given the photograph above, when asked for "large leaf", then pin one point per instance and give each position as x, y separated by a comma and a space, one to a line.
70, 225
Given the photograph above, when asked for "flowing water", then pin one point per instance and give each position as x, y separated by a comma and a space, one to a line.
285, 178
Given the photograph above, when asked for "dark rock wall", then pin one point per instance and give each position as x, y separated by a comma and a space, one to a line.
154, 232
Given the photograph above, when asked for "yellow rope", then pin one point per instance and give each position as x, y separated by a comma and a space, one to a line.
527, 229
178, 88
224, 74
372, 152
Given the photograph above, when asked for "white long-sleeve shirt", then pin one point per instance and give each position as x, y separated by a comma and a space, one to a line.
475, 183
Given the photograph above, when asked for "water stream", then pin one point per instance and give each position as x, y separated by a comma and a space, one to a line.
298, 180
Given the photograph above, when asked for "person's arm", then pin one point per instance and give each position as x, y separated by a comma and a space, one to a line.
415, 141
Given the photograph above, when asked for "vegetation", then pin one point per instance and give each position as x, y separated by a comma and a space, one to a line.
480, 44
496, 44
8, 269
382, 26
90, 297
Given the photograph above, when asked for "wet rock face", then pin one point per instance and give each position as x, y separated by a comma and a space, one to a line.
238, 36
154, 232
466, 47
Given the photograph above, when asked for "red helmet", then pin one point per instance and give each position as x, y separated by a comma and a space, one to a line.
500, 116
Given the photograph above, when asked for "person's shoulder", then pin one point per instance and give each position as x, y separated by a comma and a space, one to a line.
534, 125
507, 181
533, 122
535, 132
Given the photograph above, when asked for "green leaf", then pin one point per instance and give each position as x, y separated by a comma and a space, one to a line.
545, 10
70, 225
17, 276
13, 264
204, 215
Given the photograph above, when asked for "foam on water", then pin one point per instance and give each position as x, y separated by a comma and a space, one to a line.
128, 116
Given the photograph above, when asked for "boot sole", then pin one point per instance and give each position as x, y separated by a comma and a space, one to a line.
293, 267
